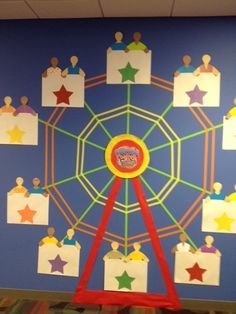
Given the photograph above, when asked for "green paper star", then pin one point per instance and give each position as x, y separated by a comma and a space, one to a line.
125, 281
128, 73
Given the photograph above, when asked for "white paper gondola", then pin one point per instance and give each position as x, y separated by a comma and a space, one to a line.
229, 134
219, 216
205, 88
21, 129
134, 269
73, 84
63, 261
36, 208
139, 60
207, 265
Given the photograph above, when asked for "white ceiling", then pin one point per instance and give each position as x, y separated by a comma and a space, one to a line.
40, 9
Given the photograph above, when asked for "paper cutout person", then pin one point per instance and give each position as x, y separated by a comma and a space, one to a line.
24, 107
114, 253
137, 255
183, 246
7, 107
137, 44
118, 44
232, 196
19, 188
70, 240
53, 69
186, 67
232, 112
208, 247
74, 68
50, 239
217, 195
36, 189
206, 67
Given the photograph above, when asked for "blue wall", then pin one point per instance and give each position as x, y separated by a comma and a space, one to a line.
26, 48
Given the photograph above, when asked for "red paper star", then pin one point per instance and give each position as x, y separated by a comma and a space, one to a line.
196, 272
63, 95
27, 214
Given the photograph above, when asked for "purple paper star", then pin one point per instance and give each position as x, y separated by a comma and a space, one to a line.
57, 264
196, 95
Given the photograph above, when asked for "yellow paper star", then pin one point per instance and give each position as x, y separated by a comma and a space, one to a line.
224, 222
15, 135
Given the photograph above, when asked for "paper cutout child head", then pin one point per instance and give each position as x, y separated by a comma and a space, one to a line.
114, 246
118, 37
114, 253
36, 183
137, 255
183, 246
24, 107
208, 246
69, 239
50, 232
232, 196
19, 188
217, 194
7, 107
53, 69
137, 246
206, 67
74, 60
7, 100
118, 44
136, 37
206, 60
54, 62
186, 67
137, 44
50, 239
74, 68
232, 111
24, 100
36, 189
217, 187
70, 233
19, 181
186, 60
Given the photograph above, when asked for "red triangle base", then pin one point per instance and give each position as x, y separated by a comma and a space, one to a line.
82, 295
125, 299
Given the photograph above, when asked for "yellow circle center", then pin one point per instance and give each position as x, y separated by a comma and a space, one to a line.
127, 156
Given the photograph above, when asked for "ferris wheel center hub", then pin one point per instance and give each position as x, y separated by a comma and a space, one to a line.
126, 156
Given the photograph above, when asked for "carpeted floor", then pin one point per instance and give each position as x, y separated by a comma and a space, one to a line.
16, 306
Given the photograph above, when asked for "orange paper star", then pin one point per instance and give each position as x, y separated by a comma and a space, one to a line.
27, 214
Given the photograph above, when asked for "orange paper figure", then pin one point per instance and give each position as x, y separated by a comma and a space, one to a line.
206, 67
7, 107
19, 188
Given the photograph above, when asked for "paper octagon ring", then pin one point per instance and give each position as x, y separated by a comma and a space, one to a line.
126, 156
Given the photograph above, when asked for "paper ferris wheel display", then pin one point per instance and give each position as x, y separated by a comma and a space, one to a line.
127, 157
